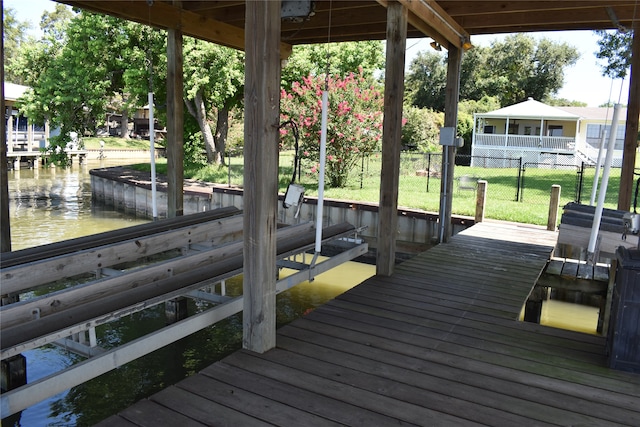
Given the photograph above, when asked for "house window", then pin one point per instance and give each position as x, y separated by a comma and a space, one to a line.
513, 128
554, 130
489, 129
594, 134
593, 131
527, 130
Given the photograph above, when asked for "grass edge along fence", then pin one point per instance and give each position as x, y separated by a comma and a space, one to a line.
516, 191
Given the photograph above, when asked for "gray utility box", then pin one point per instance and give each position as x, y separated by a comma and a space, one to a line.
623, 338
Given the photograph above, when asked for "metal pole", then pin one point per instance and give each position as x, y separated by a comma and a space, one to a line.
603, 188
323, 154
594, 189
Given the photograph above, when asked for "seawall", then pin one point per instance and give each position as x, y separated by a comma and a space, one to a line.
129, 191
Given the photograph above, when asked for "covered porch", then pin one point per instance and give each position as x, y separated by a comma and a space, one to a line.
530, 130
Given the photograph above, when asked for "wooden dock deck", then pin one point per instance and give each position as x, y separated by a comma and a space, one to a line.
436, 344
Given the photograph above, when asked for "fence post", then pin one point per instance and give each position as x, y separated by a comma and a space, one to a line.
553, 207
429, 169
481, 198
520, 183
580, 184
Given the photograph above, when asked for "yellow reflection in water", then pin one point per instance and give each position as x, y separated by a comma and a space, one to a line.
338, 279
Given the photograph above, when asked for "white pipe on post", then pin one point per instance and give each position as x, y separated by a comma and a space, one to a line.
323, 154
597, 217
154, 205
594, 189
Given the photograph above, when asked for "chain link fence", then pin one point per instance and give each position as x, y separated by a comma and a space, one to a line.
516, 191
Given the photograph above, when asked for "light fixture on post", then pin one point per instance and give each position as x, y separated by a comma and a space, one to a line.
434, 44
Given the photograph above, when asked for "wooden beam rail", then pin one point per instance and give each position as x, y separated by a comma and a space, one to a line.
46, 305
82, 315
38, 253
21, 277
32, 393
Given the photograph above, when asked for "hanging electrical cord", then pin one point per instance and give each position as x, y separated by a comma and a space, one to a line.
291, 199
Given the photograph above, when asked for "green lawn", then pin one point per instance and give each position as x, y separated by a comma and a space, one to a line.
114, 143
423, 193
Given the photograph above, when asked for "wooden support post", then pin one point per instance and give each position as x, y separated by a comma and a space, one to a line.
391, 134
554, 207
175, 125
631, 127
5, 228
452, 93
605, 318
262, 111
14, 372
481, 200
533, 306
30, 136
7, 299
176, 310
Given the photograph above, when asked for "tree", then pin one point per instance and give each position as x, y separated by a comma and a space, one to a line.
214, 83
563, 102
354, 121
54, 23
615, 48
426, 81
422, 129
512, 70
79, 68
15, 40
343, 58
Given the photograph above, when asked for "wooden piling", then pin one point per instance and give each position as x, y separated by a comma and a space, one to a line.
175, 310
14, 372
554, 207
533, 306
481, 199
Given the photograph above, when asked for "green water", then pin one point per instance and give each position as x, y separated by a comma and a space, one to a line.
50, 205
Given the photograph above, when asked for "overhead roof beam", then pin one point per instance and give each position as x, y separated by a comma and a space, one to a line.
164, 15
429, 12
564, 19
455, 8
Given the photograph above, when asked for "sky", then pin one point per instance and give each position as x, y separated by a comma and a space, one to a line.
583, 81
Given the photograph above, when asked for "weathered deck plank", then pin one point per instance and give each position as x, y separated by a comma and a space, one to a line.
437, 343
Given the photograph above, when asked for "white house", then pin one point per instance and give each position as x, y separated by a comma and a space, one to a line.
543, 135
21, 135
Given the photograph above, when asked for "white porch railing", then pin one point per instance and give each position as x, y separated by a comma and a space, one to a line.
545, 143
589, 153
25, 140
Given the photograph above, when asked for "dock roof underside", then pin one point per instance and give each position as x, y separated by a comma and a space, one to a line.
452, 21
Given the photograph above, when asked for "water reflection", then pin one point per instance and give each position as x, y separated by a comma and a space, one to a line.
50, 205
54, 204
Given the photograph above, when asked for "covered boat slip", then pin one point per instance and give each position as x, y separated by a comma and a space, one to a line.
436, 343
114, 274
